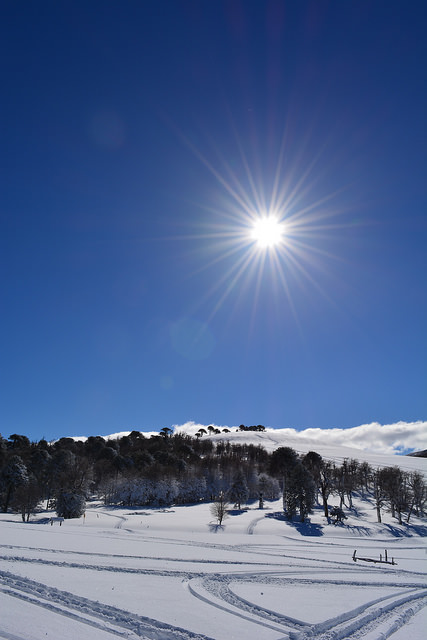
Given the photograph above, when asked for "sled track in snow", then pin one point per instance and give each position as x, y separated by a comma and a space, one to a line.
384, 618
116, 556
218, 587
385, 614
251, 527
111, 619
401, 593
111, 569
261, 568
6, 635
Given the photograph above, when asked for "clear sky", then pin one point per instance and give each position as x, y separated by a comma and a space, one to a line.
140, 144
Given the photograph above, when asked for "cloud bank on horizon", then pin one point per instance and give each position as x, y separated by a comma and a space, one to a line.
397, 438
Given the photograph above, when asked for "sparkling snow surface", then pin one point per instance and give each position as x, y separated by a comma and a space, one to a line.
164, 574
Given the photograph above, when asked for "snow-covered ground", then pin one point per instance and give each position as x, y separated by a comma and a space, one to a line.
172, 573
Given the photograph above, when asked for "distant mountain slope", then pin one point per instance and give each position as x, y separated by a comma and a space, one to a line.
419, 454
272, 439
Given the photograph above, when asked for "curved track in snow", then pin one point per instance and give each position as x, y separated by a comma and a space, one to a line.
244, 580
389, 612
102, 616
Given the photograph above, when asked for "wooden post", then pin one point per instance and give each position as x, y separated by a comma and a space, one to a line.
354, 556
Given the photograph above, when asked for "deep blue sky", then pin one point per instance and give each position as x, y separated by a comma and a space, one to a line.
131, 294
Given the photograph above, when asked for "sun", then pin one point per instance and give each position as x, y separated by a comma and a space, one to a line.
264, 233
267, 231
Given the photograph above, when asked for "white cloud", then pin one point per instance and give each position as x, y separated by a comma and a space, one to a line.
397, 438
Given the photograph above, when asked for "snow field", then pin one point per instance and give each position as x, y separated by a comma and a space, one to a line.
172, 574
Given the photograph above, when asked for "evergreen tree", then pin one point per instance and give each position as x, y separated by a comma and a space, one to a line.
282, 463
14, 474
300, 491
238, 491
70, 504
26, 498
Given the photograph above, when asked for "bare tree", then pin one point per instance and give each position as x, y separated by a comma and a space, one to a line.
326, 484
393, 481
418, 493
219, 508
379, 493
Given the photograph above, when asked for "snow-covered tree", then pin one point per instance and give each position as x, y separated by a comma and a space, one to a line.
191, 489
238, 492
268, 487
299, 493
14, 474
70, 504
26, 497
282, 463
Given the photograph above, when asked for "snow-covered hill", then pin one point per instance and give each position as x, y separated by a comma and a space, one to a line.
303, 442
379, 445
174, 574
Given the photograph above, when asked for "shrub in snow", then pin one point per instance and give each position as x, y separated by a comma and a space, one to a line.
338, 514
70, 504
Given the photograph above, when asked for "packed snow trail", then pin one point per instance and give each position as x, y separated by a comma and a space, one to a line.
103, 616
391, 611
390, 617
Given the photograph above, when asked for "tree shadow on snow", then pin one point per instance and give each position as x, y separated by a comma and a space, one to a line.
236, 512
214, 528
406, 530
306, 528
361, 531
43, 520
277, 515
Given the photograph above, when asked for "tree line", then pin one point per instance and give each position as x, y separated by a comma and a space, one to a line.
168, 468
